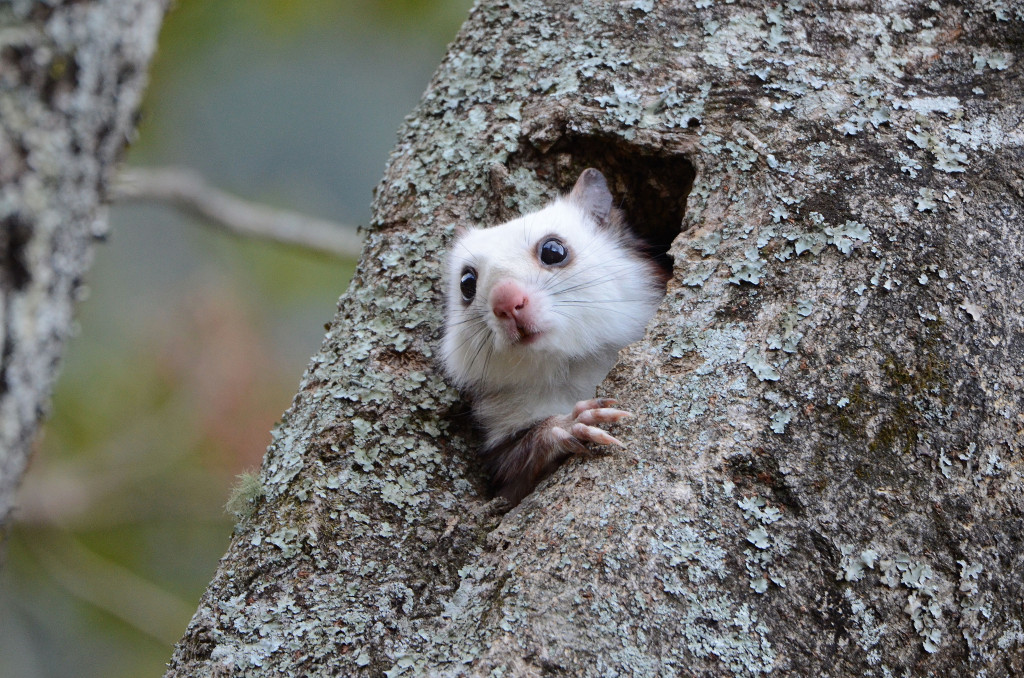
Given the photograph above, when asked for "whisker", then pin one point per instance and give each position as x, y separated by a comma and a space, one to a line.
472, 318
605, 277
584, 302
611, 267
592, 307
472, 337
476, 354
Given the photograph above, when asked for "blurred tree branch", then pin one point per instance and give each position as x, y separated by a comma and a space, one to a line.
188, 191
99, 581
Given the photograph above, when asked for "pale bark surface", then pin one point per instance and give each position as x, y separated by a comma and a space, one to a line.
71, 77
824, 476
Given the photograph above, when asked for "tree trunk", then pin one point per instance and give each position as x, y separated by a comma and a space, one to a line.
71, 77
824, 473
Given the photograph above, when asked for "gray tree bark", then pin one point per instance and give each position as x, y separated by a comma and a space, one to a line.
71, 77
824, 473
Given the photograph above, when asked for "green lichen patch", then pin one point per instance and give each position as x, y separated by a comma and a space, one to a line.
245, 495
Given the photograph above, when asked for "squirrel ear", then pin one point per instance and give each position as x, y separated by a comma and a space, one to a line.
591, 194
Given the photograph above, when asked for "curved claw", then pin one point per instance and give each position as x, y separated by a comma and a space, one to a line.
592, 404
602, 415
593, 434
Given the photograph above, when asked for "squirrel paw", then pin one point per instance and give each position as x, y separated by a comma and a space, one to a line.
587, 414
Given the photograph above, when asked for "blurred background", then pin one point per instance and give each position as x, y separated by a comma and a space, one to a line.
191, 343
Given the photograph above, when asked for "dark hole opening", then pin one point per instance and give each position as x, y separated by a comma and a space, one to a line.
650, 184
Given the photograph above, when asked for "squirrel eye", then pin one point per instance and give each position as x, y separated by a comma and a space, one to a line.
467, 284
552, 252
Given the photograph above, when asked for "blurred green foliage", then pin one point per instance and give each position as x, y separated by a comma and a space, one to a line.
203, 20
197, 26
192, 342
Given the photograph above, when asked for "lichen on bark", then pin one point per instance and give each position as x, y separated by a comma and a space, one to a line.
824, 472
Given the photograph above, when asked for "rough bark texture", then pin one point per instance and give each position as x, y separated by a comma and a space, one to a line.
71, 77
824, 476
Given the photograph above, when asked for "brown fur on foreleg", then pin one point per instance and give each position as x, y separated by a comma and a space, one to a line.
517, 463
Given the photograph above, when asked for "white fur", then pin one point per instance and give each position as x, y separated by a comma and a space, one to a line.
587, 310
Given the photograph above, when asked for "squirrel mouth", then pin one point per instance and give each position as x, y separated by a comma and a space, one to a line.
521, 332
527, 337
523, 335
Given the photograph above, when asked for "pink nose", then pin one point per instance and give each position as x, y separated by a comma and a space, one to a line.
508, 300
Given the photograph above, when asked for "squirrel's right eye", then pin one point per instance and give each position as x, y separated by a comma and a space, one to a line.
467, 284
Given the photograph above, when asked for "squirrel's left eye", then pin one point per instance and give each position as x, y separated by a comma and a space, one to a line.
467, 284
552, 252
